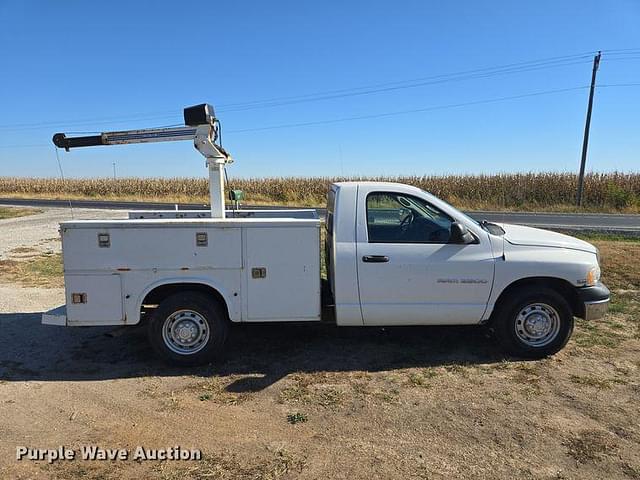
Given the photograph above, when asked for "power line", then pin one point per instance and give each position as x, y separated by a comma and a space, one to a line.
403, 87
621, 50
486, 72
618, 59
606, 85
133, 116
623, 54
357, 91
388, 114
440, 107
420, 79
404, 112
81, 123
550, 62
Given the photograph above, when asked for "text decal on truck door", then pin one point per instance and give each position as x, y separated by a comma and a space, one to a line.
463, 280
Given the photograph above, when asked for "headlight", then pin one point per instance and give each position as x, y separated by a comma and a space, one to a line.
593, 276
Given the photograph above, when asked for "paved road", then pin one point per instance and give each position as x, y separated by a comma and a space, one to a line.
570, 221
563, 221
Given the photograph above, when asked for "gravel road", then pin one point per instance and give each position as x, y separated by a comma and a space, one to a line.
37, 233
40, 231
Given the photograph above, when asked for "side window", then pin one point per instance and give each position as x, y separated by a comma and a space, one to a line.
400, 218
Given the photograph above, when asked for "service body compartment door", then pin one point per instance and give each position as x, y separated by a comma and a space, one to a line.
282, 273
152, 246
94, 299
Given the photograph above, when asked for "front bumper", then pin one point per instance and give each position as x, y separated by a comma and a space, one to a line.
595, 300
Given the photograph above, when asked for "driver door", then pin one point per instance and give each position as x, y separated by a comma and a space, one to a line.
409, 273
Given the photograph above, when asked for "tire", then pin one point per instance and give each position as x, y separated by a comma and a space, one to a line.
533, 322
188, 328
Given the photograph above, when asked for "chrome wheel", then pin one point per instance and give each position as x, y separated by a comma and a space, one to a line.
537, 325
185, 332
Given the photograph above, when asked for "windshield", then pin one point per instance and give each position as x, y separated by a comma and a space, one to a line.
462, 214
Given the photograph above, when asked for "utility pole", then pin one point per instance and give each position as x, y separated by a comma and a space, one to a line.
114, 170
587, 126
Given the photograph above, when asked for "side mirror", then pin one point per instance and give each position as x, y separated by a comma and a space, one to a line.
460, 234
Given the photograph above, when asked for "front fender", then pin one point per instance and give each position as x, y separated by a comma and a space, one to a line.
523, 262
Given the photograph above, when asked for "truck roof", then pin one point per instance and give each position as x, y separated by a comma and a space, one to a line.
369, 183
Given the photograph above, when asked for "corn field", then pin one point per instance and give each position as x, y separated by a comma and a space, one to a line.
518, 191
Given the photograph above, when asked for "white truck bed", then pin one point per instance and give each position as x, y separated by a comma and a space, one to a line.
266, 269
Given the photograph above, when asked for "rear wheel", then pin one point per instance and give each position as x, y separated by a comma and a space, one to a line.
533, 323
188, 328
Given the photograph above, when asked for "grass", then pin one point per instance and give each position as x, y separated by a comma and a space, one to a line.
276, 463
416, 379
309, 390
422, 378
620, 304
622, 276
213, 390
619, 273
14, 212
44, 270
606, 192
605, 237
297, 417
599, 383
592, 334
596, 382
297, 391
590, 446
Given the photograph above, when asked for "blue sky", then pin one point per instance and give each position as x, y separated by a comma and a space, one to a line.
93, 66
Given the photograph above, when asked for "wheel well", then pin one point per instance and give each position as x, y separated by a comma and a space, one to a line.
158, 294
559, 285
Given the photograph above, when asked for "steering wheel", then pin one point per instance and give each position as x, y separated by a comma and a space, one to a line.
406, 222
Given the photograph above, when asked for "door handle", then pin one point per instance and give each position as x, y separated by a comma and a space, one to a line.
375, 258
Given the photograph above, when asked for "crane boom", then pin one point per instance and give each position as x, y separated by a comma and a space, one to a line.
125, 137
201, 127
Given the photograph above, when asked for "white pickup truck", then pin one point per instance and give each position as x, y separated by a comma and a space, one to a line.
395, 255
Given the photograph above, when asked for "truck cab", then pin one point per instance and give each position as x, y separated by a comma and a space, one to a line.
393, 256
397, 255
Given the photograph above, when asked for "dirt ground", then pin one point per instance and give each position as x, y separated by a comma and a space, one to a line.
319, 402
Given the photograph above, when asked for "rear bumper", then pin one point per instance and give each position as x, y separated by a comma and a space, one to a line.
595, 300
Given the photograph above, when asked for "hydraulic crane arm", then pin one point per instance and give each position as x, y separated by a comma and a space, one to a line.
201, 127
125, 137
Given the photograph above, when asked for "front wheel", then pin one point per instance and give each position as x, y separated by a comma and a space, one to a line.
533, 323
188, 328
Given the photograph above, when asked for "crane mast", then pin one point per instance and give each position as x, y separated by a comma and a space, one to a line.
201, 126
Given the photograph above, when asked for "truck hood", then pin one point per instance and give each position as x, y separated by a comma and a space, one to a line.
536, 237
